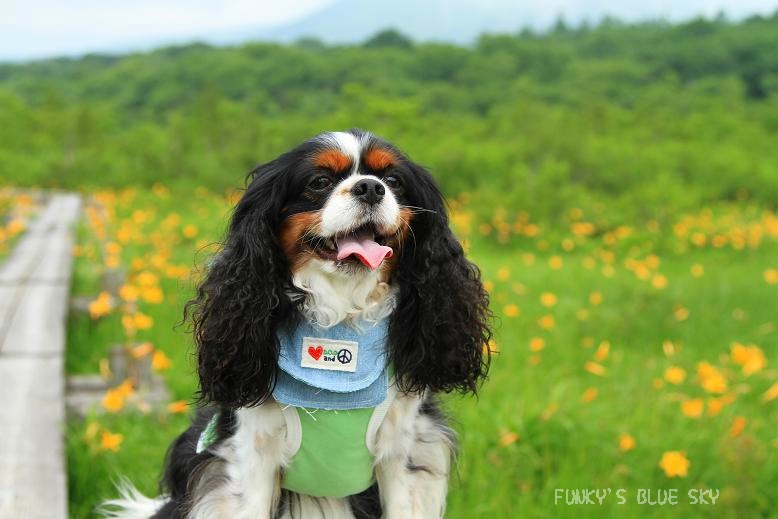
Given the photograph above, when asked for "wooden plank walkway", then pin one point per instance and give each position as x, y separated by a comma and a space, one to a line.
34, 285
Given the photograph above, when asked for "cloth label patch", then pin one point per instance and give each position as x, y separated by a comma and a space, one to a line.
335, 355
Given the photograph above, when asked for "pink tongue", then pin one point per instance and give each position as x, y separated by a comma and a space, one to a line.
363, 247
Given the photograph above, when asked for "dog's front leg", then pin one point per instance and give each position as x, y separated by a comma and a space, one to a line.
414, 458
248, 484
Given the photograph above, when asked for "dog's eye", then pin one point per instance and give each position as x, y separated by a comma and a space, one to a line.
393, 182
320, 183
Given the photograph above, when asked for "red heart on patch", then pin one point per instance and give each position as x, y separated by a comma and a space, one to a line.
315, 352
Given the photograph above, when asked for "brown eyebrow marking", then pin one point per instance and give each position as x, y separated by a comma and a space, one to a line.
332, 159
378, 159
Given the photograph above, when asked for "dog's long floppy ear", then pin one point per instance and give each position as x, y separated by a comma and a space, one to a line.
442, 321
244, 298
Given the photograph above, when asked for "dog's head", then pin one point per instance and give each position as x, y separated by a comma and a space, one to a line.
343, 227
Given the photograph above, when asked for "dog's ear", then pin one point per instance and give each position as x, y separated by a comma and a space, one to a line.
244, 298
442, 322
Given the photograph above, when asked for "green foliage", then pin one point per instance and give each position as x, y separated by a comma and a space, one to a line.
647, 118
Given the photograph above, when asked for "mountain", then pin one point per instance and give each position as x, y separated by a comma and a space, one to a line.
461, 21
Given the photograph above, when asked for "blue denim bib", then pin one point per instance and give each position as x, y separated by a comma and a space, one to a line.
300, 385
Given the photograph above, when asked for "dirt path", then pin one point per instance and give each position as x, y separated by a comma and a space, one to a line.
34, 285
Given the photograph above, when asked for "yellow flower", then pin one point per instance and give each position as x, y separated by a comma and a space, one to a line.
490, 347
681, 313
141, 350
674, 464
508, 438
716, 404
528, 258
626, 442
751, 358
669, 348
488, 285
100, 306
152, 295
537, 344
675, 375
511, 310
503, 274
111, 441
178, 407
771, 276
113, 401
143, 321
602, 351
698, 270
547, 299
547, 322
595, 298
771, 394
549, 411
555, 262
589, 395
147, 279
710, 378
160, 361
692, 407
659, 281
128, 293
594, 368
738, 424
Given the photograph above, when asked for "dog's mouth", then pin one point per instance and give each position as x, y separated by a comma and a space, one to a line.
363, 245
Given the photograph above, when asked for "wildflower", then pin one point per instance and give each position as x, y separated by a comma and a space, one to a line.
697, 270
537, 344
160, 361
128, 293
152, 295
675, 375
674, 464
549, 411
589, 395
177, 407
503, 274
738, 424
491, 347
100, 306
141, 350
111, 441
716, 404
511, 310
692, 407
147, 279
771, 276
528, 258
659, 281
602, 351
771, 394
595, 298
555, 262
594, 368
113, 401
710, 378
143, 321
669, 348
681, 313
582, 314
508, 438
626, 442
547, 322
548, 299
750, 358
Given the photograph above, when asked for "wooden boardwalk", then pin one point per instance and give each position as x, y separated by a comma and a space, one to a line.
34, 285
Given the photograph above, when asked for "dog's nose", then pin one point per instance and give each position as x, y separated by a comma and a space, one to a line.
369, 191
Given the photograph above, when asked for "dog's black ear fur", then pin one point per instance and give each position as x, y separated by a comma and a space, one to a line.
441, 326
244, 297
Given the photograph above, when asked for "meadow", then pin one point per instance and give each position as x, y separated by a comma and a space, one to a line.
616, 183
626, 357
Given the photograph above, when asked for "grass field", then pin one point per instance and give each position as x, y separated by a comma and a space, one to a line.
628, 357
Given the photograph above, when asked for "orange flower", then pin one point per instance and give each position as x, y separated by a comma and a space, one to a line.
710, 378
595, 298
537, 344
152, 295
659, 281
602, 351
190, 231
146, 279
511, 310
547, 299
547, 322
751, 358
594, 368
692, 407
113, 401
674, 464
589, 395
100, 306
738, 424
180, 406
160, 361
555, 262
143, 321
675, 375
141, 350
771, 394
626, 442
508, 438
681, 313
110, 441
771, 276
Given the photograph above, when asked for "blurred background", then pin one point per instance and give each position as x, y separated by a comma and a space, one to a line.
611, 166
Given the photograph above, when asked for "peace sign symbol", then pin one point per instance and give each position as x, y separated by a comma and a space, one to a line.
344, 356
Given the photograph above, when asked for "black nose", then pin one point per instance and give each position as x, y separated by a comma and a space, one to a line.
369, 191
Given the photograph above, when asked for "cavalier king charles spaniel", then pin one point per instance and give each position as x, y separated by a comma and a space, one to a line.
340, 306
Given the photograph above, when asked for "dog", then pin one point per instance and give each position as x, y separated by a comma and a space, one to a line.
340, 306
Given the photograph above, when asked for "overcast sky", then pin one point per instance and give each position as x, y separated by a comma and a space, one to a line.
42, 28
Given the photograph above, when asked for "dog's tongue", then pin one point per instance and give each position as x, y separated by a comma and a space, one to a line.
365, 248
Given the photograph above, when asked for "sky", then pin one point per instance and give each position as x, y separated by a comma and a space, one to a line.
34, 29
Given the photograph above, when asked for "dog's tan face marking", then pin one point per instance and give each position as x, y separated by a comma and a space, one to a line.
332, 159
291, 234
378, 159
